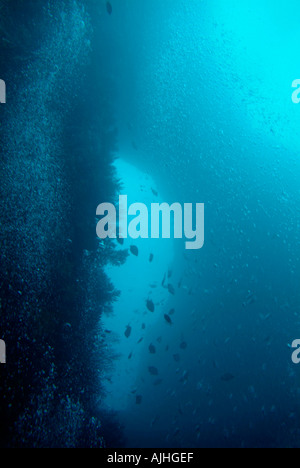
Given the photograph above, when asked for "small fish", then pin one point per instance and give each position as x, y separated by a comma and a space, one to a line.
139, 342
134, 250
152, 349
109, 8
184, 377
151, 258
155, 193
139, 399
153, 370
172, 312
157, 382
128, 331
176, 358
227, 377
130, 356
150, 305
108, 332
183, 345
154, 420
164, 281
143, 326
168, 319
134, 145
171, 289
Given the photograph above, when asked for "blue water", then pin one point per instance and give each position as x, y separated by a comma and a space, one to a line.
206, 90
165, 101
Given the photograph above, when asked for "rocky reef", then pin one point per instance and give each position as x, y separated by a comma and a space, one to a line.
58, 142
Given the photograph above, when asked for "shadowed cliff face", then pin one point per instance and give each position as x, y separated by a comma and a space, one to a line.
57, 145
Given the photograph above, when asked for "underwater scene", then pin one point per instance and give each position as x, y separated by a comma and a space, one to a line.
150, 215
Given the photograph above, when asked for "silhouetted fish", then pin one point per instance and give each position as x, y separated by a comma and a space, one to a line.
151, 258
227, 377
155, 193
134, 250
150, 305
130, 356
152, 349
176, 358
109, 8
184, 377
153, 370
134, 145
157, 382
171, 289
154, 420
172, 312
128, 331
139, 399
183, 345
143, 326
168, 319
140, 340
